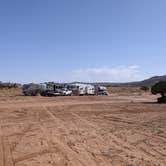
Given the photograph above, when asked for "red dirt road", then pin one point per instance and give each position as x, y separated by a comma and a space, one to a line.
82, 131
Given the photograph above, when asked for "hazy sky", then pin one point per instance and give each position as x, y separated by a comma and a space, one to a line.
82, 40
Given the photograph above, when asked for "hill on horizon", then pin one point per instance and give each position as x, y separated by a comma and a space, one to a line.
147, 82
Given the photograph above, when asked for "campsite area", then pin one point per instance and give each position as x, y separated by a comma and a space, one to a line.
125, 128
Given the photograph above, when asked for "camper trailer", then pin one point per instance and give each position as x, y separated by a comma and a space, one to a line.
90, 90
53, 89
81, 89
84, 89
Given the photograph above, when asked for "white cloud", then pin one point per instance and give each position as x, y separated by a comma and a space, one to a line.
109, 74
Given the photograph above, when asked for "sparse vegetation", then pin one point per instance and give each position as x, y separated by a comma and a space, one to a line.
8, 85
124, 90
144, 88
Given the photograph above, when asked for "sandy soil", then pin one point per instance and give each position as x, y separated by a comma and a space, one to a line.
82, 131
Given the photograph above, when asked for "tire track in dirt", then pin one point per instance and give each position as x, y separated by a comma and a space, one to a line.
126, 146
92, 129
2, 156
116, 140
133, 149
54, 146
20, 136
64, 148
24, 104
6, 154
77, 128
31, 155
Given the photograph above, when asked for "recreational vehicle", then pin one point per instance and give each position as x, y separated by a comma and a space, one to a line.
85, 89
90, 90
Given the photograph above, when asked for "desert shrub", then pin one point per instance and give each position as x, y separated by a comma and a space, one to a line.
31, 89
144, 88
8, 85
160, 88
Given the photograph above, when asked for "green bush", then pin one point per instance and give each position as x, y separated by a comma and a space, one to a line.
160, 88
31, 89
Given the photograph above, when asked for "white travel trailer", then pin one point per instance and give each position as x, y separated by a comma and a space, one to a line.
85, 89
81, 89
90, 89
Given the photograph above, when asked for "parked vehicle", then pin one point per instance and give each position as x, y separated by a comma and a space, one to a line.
52, 93
101, 90
85, 89
90, 90
102, 93
66, 92
48, 90
52, 89
81, 90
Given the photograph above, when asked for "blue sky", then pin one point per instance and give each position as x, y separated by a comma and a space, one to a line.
82, 40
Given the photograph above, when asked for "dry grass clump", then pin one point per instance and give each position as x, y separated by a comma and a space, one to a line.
6, 92
126, 90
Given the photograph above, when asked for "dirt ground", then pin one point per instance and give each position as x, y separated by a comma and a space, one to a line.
122, 129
